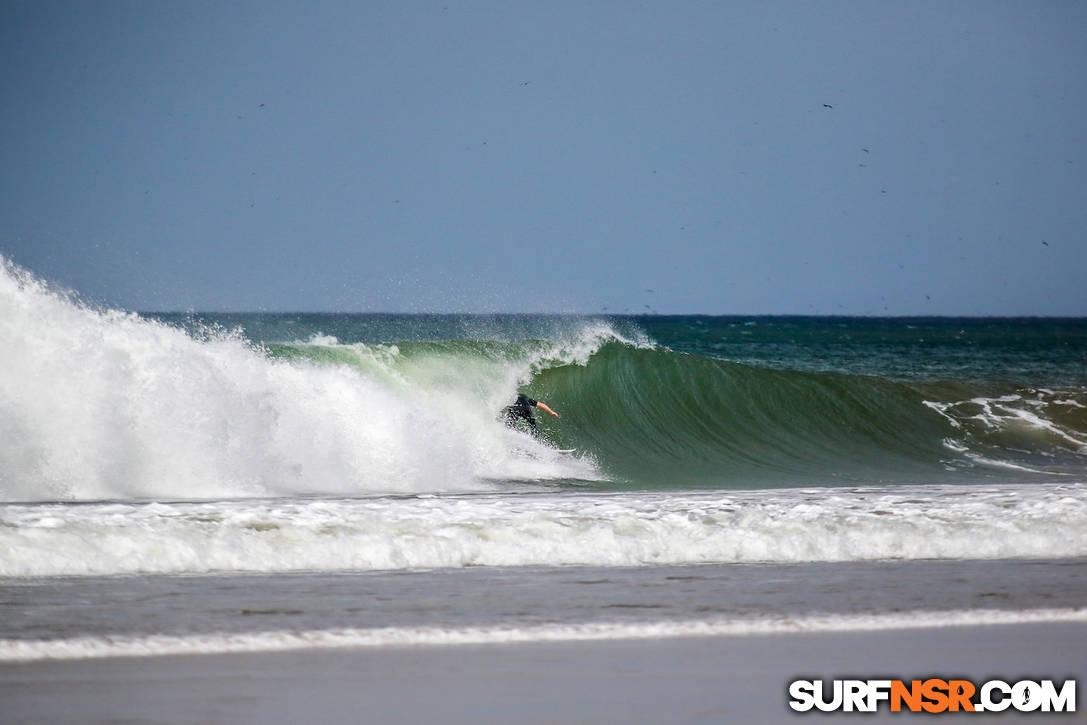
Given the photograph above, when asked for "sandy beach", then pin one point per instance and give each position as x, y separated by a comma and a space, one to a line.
682, 680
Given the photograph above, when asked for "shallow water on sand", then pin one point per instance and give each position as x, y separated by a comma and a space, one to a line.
208, 609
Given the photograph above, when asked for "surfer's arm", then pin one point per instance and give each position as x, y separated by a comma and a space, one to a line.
544, 406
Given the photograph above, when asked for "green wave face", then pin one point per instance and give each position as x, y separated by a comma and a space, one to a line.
661, 416
651, 417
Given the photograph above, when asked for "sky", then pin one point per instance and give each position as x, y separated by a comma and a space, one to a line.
852, 158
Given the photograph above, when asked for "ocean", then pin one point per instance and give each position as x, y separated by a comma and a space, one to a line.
201, 482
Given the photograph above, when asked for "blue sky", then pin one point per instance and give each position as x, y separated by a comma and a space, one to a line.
716, 157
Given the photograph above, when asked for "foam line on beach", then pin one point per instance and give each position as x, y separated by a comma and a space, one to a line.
25, 651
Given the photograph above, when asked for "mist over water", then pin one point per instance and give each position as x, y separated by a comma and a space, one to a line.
109, 405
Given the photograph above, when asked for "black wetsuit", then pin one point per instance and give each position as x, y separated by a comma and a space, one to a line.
521, 410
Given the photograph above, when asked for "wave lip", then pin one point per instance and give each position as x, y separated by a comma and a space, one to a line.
23, 651
103, 404
553, 529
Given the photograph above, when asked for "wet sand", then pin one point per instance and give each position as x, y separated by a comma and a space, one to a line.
740, 679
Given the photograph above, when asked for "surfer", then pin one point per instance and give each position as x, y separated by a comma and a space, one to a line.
521, 412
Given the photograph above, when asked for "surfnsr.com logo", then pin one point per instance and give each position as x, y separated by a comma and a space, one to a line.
933, 695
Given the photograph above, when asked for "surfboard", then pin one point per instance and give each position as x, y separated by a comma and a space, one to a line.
565, 450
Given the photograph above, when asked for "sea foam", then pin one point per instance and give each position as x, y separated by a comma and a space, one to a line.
544, 529
13, 650
103, 404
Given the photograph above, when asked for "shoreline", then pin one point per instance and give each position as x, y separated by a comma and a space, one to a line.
16, 651
687, 680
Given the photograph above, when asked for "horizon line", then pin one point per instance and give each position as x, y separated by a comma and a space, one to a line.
619, 315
